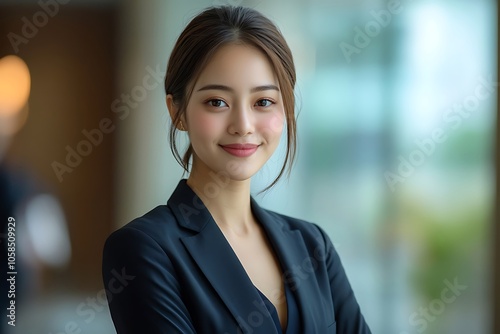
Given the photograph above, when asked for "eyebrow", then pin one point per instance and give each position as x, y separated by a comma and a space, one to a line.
229, 89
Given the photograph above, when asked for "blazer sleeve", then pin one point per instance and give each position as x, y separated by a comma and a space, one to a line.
347, 312
142, 289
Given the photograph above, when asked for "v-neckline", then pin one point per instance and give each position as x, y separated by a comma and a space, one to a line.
280, 266
266, 300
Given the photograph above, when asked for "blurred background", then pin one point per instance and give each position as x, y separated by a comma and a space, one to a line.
398, 148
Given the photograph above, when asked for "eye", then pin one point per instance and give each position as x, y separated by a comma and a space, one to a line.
264, 103
217, 103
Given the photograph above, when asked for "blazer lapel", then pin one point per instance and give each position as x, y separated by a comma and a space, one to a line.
217, 260
296, 264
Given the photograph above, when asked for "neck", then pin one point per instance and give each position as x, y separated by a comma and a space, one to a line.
227, 200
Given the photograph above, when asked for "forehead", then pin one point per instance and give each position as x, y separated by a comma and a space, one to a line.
238, 65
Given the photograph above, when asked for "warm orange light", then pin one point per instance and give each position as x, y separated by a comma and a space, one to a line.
15, 85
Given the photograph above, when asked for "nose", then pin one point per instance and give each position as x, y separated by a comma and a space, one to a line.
241, 121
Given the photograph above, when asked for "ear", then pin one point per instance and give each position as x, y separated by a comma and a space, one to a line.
173, 109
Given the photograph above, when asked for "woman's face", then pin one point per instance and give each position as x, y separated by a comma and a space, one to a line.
235, 115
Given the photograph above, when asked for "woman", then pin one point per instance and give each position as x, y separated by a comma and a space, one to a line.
212, 260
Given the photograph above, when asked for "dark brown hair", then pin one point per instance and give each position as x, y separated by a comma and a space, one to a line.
202, 37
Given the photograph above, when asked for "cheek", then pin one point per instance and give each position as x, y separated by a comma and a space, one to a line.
271, 126
204, 125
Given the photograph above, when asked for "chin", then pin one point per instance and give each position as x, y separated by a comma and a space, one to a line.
236, 171
242, 176
224, 168
242, 173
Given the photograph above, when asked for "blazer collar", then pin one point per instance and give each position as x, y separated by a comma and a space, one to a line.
298, 267
215, 257
188, 208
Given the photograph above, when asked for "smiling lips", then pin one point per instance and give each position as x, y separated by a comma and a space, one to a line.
240, 150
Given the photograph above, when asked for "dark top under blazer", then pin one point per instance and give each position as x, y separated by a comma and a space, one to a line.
173, 271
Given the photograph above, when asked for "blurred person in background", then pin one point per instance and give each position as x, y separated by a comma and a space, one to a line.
40, 231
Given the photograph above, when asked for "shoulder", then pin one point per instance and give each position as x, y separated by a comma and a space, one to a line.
311, 232
155, 227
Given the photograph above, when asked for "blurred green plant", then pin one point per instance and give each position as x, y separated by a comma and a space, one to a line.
448, 246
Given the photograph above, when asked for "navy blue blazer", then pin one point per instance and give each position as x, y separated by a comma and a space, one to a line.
173, 271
